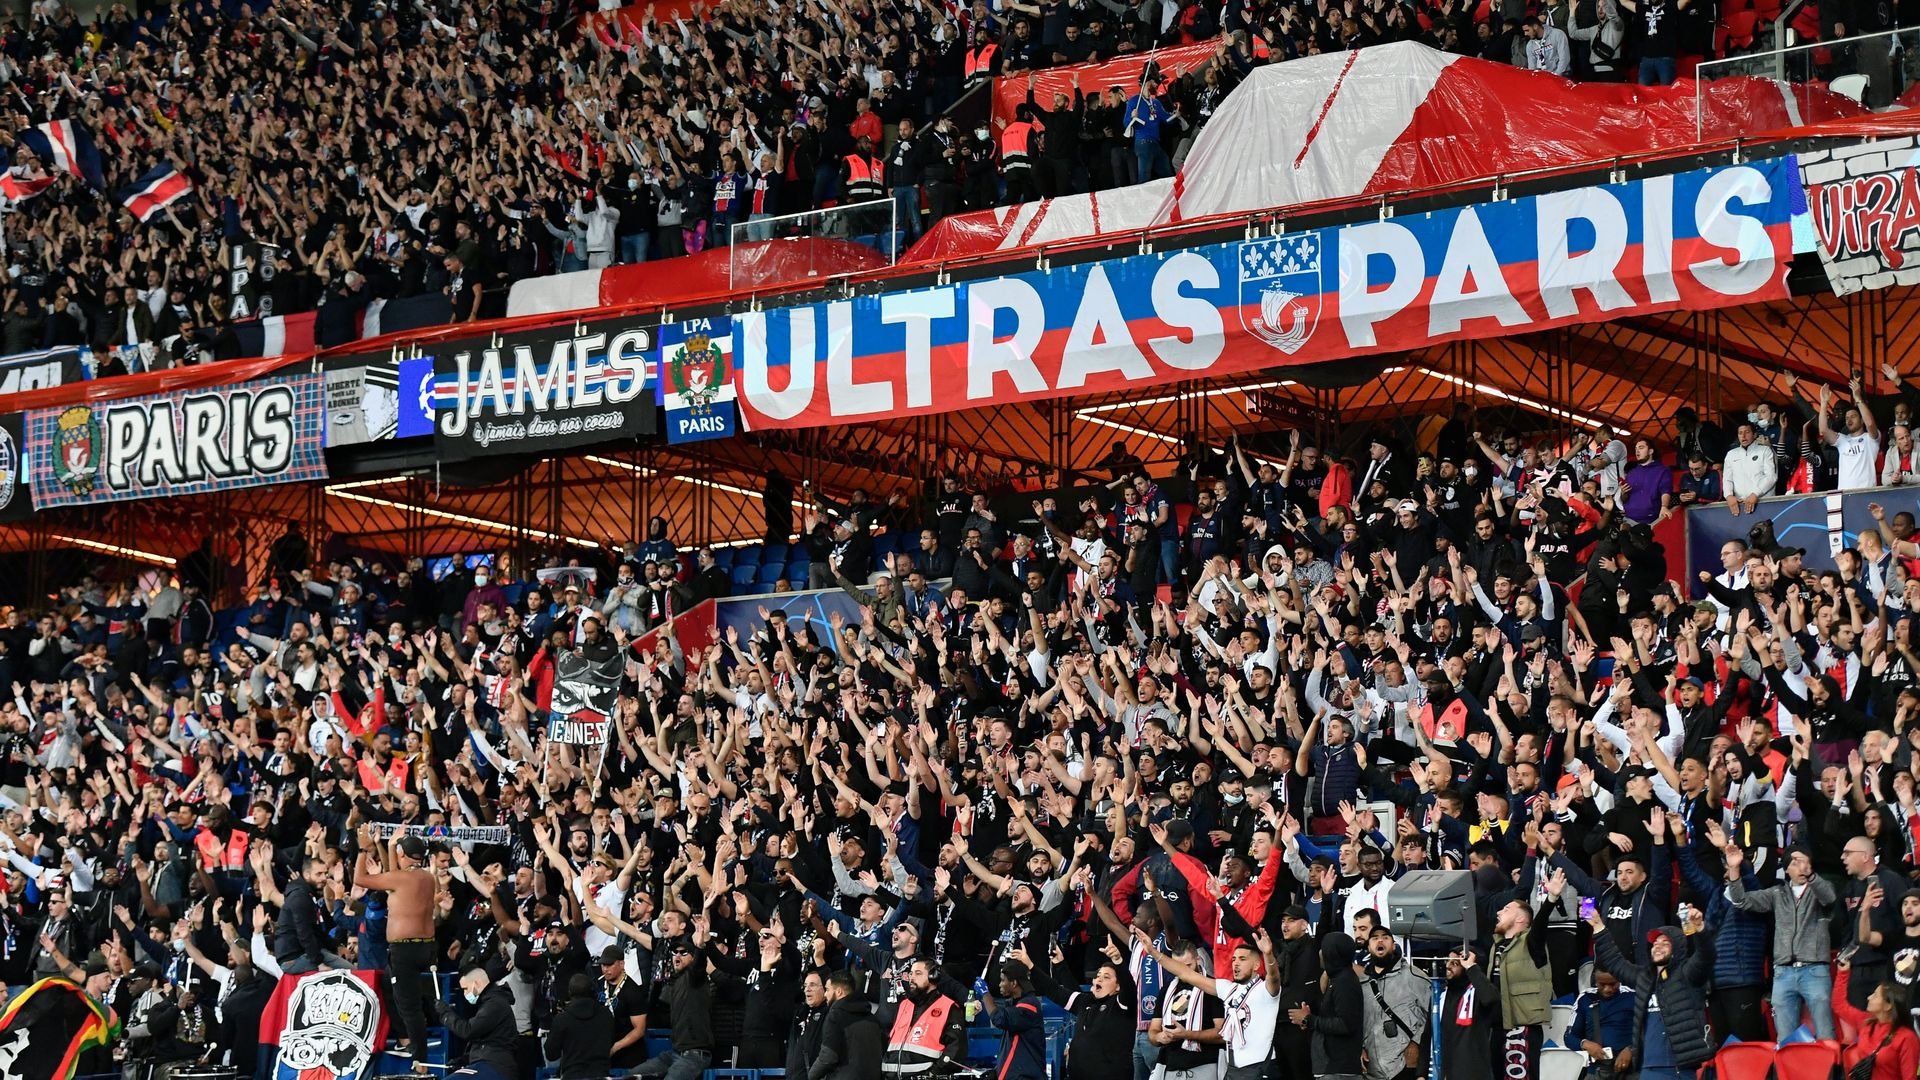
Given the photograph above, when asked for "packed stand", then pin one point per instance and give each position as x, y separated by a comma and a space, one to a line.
352, 152
1099, 751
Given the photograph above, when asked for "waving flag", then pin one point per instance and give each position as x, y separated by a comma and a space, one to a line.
20, 188
66, 148
159, 188
47, 1028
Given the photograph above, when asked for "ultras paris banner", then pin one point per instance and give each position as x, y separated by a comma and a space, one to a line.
1696, 240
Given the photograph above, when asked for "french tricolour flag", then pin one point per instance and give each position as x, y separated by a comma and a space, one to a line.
153, 192
66, 148
19, 188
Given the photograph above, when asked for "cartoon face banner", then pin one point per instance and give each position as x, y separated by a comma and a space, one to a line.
186, 443
696, 379
330, 1026
363, 404
583, 698
1691, 241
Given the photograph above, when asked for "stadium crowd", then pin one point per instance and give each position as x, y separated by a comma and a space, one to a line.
1161, 773
346, 151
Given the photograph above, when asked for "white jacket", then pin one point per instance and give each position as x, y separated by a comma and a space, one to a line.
1749, 471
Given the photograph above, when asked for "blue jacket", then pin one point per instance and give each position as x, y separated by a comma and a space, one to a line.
1025, 1055
1739, 937
1145, 115
1611, 1019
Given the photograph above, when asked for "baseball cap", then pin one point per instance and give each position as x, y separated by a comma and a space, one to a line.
1179, 830
413, 847
1295, 912
611, 955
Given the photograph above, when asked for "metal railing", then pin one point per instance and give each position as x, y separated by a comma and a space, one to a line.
1873, 69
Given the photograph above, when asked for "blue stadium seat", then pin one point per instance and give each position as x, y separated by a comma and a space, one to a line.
744, 574
723, 558
748, 554
796, 550
798, 573
772, 572
760, 588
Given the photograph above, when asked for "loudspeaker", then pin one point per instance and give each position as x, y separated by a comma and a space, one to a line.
1433, 904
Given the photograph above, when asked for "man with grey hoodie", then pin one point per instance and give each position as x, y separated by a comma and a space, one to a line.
1801, 906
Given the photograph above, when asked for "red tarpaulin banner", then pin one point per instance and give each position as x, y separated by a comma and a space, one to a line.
1009, 91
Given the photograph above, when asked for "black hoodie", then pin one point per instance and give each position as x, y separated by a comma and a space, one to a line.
1338, 1024
490, 1031
582, 1039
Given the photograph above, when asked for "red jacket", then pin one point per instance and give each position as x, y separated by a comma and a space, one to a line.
1899, 1056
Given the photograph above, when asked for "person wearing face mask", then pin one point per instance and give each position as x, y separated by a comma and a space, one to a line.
624, 597
488, 1026
940, 167
983, 179
484, 591
639, 216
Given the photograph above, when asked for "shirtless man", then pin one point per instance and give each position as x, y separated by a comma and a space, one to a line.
410, 937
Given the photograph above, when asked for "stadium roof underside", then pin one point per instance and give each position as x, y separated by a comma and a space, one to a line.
1628, 377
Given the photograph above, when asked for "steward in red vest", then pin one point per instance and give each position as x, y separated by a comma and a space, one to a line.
930, 1024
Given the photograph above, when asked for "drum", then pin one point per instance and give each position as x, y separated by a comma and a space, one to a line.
190, 1071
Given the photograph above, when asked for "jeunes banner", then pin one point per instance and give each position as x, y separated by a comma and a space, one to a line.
1696, 240
696, 385
185, 443
1865, 204
542, 390
583, 697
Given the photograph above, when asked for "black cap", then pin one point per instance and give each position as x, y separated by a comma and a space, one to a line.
1783, 552
96, 963
682, 945
1295, 912
611, 955
413, 847
1178, 830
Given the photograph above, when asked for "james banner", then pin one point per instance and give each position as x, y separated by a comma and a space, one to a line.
583, 697
1865, 203
537, 391
187, 443
328, 1025
48, 1027
1695, 240
696, 379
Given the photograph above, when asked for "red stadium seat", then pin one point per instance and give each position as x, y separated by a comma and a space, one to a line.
1806, 1061
1746, 1061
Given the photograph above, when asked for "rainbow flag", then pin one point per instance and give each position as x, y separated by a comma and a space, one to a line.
46, 1029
